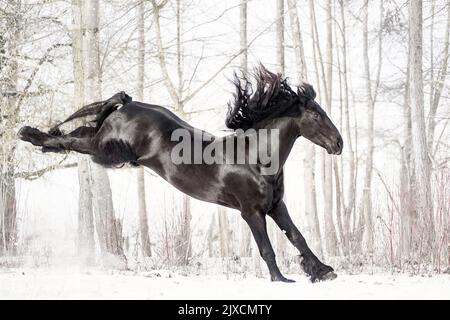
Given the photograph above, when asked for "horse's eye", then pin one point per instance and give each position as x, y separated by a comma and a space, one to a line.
316, 115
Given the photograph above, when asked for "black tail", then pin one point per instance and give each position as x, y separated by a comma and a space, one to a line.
101, 110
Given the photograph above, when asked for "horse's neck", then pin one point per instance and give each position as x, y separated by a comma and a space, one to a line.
288, 133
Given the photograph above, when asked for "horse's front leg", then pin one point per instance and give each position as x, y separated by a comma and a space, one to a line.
310, 263
257, 224
79, 140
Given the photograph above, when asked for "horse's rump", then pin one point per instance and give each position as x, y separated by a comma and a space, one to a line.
100, 110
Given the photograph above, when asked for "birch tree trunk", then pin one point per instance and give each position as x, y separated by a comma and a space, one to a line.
86, 243
431, 84
280, 36
436, 91
211, 236
248, 246
422, 187
406, 176
186, 214
367, 195
243, 34
109, 229
183, 245
142, 205
279, 235
366, 221
312, 218
246, 243
297, 41
8, 120
317, 51
183, 242
223, 232
349, 205
330, 230
338, 165
8, 211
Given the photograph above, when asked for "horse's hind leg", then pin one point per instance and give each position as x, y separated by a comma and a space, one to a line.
310, 263
81, 132
257, 224
79, 140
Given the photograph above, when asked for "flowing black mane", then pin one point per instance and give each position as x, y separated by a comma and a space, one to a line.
273, 97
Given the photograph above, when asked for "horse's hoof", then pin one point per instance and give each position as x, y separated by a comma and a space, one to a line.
329, 276
23, 132
31, 135
326, 273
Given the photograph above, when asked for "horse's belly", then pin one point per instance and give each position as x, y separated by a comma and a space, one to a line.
198, 181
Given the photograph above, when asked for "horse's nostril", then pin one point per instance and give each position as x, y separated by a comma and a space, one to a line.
339, 143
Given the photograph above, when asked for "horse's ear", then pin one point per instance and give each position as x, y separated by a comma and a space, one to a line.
125, 97
306, 91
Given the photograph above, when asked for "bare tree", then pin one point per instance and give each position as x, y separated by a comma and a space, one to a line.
330, 230
280, 236
86, 244
11, 19
317, 53
176, 94
298, 41
243, 35
349, 205
436, 89
211, 236
309, 157
365, 224
224, 239
280, 36
245, 243
142, 205
109, 229
422, 187
337, 163
367, 191
406, 174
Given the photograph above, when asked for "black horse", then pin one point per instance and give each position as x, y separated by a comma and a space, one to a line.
125, 131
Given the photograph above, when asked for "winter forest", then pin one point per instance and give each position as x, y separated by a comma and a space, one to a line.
380, 70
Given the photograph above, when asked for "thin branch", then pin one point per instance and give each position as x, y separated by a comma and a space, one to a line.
161, 53
39, 173
387, 190
44, 59
234, 56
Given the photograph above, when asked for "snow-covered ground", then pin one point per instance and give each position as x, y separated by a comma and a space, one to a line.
59, 284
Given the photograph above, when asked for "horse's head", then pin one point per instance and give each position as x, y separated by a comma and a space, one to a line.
274, 98
314, 123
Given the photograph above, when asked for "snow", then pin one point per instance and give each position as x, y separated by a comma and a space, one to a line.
96, 284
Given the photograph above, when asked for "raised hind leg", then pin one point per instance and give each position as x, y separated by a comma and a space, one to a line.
310, 263
79, 140
257, 224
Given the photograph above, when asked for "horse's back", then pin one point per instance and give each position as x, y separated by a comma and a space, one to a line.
137, 129
153, 114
